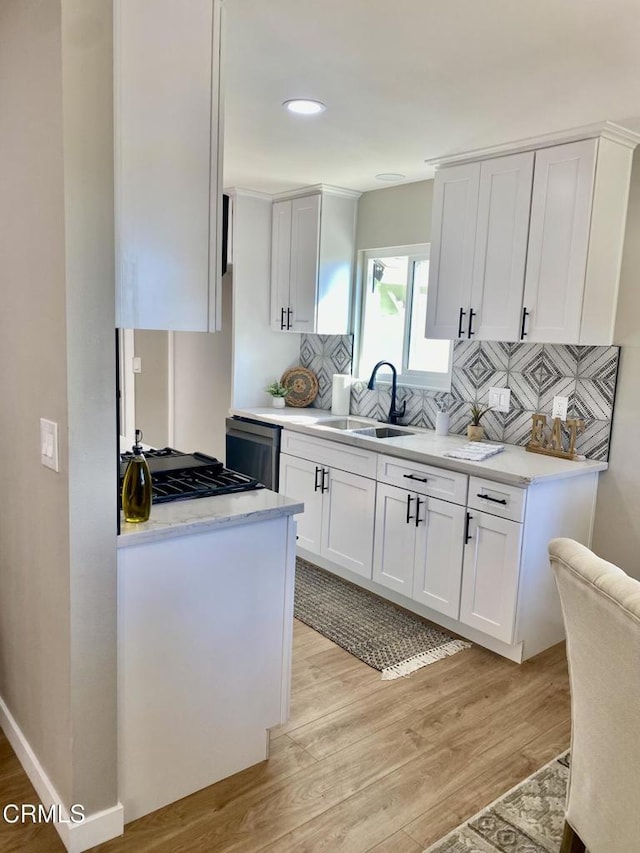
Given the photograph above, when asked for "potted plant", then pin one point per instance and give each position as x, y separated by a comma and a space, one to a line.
475, 430
278, 393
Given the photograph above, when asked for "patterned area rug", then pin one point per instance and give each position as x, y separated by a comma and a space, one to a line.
527, 819
386, 637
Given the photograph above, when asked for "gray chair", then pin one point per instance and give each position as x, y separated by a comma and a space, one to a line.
601, 608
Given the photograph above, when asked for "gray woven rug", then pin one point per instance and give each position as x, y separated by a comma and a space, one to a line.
386, 637
527, 819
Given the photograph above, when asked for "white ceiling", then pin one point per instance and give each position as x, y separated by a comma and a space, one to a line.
409, 80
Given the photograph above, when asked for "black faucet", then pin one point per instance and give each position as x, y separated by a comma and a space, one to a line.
394, 414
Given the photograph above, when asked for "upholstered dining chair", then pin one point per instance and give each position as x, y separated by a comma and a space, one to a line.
601, 608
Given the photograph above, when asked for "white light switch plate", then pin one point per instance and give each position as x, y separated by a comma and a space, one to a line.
136, 362
560, 406
500, 399
49, 444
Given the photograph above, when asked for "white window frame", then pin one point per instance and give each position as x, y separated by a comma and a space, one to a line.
422, 379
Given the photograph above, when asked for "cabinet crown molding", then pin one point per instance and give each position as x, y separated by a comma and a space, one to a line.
326, 189
605, 129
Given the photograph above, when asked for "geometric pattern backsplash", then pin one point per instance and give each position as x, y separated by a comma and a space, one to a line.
535, 373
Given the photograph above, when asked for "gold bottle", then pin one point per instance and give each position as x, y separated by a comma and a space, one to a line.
136, 486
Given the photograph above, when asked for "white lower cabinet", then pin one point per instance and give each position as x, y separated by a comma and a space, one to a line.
418, 547
339, 512
490, 575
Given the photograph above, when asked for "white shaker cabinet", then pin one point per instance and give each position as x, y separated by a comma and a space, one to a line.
453, 231
339, 511
168, 164
418, 547
490, 575
502, 226
528, 246
312, 251
480, 223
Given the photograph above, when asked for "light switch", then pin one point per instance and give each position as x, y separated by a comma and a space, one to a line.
49, 444
137, 364
560, 406
500, 399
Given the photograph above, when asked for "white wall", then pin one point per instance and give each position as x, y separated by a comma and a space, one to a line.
395, 216
57, 530
152, 386
617, 526
202, 384
259, 355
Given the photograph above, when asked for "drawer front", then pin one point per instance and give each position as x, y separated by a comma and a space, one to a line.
497, 499
424, 479
331, 453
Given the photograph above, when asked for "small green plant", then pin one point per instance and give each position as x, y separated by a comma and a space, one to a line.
477, 413
276, 389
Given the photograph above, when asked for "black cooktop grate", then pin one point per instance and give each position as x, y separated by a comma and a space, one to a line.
179, 476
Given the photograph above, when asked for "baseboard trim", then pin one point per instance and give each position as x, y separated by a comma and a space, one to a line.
76, 837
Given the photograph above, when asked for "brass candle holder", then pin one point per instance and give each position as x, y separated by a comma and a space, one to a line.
550, 440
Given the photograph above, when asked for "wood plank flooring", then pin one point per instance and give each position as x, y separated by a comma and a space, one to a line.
363, 765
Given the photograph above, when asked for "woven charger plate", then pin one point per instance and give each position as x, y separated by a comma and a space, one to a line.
302, 384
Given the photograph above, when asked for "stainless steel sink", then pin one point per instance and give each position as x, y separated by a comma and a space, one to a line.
351, 424
381, 432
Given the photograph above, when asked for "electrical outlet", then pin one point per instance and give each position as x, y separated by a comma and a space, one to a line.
49, 444
560, 406
500, 399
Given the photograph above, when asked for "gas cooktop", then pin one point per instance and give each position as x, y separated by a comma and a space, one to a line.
177, 476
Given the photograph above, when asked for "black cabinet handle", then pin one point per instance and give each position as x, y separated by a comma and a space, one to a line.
472, 314
414, 477
409, 516
289, 313
325, 486
460, 319
495, 500
418, 502
282, 319
316, 484
525, 314
467, 536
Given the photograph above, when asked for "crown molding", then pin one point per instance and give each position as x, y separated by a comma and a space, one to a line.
317, 188
236, 191
604, 129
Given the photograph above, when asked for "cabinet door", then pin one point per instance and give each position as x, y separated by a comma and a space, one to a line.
393, 555
167, 164
558, 241
490, 573
348, 514
280, 263
305, 246
299, 479
453, 229
501, 247
438, 559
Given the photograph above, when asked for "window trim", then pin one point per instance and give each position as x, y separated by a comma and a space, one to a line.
420, 379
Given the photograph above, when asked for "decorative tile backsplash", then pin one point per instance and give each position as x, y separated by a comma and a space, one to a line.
535, 373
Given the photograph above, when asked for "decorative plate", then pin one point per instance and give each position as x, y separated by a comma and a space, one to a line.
302, 384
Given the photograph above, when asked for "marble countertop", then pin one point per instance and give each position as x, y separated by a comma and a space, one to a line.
514, 466
180, 518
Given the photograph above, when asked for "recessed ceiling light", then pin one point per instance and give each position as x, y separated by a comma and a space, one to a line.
304, 107
390, 177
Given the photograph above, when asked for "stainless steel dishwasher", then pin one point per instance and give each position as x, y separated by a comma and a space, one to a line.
253, 448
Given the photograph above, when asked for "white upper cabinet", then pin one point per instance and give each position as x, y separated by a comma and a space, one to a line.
312, 252
528, 246
453, 231
500, 248
168, 164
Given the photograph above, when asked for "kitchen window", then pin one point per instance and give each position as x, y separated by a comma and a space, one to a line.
393, 309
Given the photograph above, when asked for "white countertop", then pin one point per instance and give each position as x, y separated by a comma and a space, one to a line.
180, 518
514, 465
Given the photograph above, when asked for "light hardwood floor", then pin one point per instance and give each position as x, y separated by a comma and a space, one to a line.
363, 764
